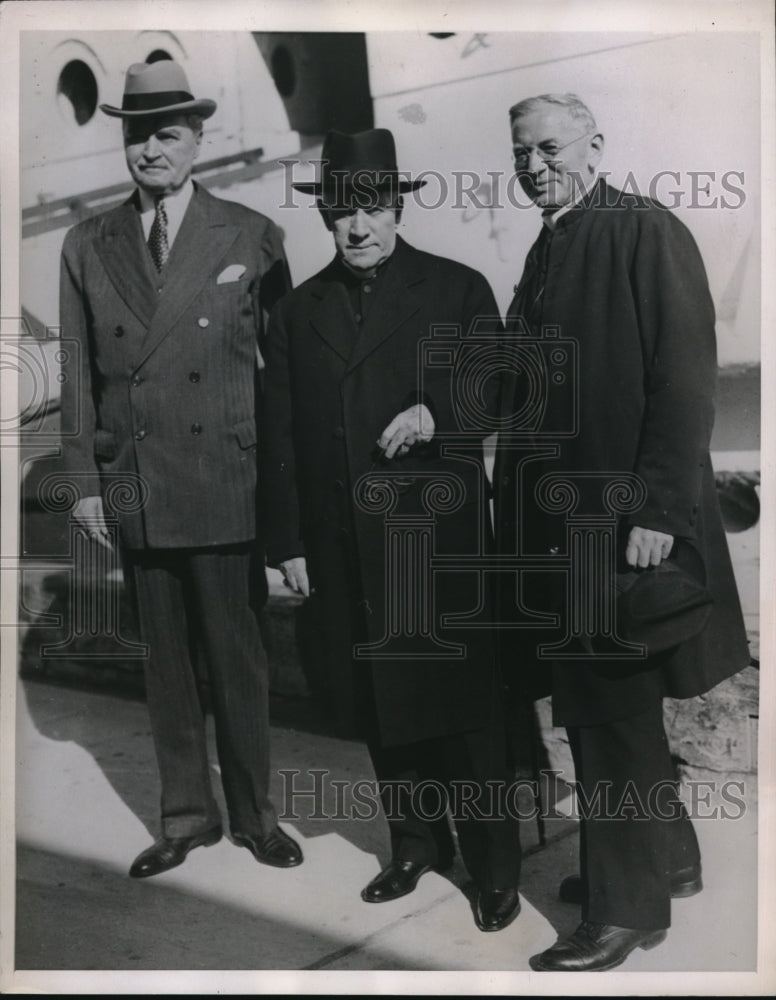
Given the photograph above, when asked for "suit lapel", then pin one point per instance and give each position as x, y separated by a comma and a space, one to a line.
123, 253
199, 247
331, 316
397, 297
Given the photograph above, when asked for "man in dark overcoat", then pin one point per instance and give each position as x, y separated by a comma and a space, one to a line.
619, 283
361, 492
167, 296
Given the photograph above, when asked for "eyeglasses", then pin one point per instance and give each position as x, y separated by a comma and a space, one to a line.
546, 153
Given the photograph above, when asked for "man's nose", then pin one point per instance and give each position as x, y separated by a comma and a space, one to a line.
535, 162
151, 149
359, 225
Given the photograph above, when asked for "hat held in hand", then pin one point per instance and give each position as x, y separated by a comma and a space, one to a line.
663, 606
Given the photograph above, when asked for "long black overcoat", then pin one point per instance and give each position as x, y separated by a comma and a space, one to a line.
330, 391
625, 283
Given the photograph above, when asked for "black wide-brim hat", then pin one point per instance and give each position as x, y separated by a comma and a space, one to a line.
358, 165
156, 89
663, 606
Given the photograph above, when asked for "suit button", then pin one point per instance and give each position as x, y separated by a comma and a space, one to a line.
367, 288
139, 435
203, 321
554, 550
339, 433
505, 480
193, 376
338, 484
196, 428
136, 380
119, 331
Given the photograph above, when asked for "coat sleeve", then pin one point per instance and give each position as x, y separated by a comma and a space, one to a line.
676, 321
278, 466
77, 399
274, 283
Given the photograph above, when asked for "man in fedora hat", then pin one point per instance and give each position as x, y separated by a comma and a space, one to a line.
355, 416
167, 296
619, 279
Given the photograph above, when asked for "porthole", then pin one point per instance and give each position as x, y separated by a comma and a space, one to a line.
77, 91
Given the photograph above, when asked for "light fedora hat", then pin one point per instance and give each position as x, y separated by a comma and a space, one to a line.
155, 89
362, 162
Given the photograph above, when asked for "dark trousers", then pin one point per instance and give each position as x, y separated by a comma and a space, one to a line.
416, 781
638, 832
198, 607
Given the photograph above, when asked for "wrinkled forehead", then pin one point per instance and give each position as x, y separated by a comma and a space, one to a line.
544, 123
140, 129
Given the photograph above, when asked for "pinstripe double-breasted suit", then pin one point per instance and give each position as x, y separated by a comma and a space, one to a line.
165, 387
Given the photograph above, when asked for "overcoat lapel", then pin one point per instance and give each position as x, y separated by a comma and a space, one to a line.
124, 255
397, 297
331, 316
199, 247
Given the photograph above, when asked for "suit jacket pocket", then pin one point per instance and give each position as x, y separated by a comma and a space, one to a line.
104, 445
246, 432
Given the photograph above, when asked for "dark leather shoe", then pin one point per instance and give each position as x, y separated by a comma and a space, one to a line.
496, 908
277, 848
594, 948
169, 852
397, 879
684, 882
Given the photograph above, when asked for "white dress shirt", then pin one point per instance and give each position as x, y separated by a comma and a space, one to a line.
175, 205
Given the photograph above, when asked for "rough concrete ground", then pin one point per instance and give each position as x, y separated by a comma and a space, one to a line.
87, 804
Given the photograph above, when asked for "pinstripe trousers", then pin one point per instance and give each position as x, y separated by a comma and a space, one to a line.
197, 611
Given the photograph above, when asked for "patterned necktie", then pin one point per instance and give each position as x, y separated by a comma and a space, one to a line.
157, 238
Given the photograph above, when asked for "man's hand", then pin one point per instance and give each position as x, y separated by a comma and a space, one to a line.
647, 547
413, 425
295, 575
89, 514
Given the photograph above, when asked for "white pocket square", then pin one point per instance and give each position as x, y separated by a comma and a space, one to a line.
231, 273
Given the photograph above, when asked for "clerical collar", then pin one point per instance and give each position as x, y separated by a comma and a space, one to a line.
359, 276
550, 216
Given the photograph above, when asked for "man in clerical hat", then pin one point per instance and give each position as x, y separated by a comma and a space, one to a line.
357, 475
167, 296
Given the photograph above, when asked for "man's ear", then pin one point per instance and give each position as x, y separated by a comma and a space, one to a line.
596, 147
325, 215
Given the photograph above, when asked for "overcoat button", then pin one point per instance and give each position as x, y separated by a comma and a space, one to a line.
203, 321
338, 484
193, 376
196, 428
505, 480
339, 433
136, 381
119, 331
139, 435
554, 550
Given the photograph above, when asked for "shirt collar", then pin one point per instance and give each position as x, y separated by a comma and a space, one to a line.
550, 216
176, 202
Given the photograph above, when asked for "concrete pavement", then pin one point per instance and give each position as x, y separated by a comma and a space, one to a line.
87, 796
